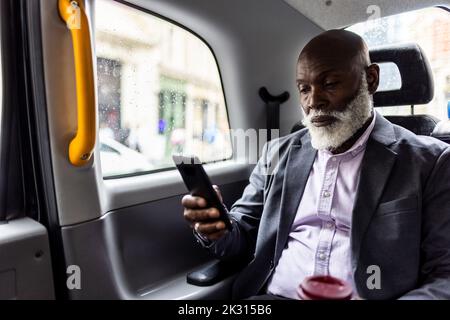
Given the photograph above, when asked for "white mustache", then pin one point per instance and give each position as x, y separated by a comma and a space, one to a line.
339, 115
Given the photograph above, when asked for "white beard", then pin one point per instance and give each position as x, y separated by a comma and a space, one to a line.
357, 112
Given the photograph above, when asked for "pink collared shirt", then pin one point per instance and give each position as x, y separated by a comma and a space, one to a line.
319, 241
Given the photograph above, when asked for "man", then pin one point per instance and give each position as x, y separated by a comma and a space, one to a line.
353, 195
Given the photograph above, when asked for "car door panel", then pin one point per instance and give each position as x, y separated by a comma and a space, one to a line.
139, 251
25, 257
25, 263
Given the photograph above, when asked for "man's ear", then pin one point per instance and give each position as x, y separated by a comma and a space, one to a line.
373, 77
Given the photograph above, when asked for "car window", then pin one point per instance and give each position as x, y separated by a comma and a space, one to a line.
106, 148
159, 91
430, 29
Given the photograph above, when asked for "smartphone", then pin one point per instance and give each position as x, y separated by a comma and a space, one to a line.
199, 184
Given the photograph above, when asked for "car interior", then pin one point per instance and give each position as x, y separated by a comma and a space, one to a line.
96, 95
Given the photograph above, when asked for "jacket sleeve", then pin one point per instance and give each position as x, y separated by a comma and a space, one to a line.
245, 214
435, 243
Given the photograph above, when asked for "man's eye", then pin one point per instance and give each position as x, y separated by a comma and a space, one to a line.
304, 90
330, 84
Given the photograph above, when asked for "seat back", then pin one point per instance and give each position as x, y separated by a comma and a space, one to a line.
417, 85
421, 124
415, 72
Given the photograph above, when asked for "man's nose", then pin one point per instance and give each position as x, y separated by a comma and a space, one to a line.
316, 100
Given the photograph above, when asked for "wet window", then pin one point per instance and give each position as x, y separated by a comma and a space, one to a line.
159, 93
390, 74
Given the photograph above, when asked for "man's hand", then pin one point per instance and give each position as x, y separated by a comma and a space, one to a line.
202, 219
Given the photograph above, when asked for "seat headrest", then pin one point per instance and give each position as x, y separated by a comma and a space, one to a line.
416, 75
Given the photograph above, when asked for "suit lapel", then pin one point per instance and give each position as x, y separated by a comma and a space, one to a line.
376, 167
300, 160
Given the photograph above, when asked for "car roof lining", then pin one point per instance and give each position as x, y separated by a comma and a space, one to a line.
333, 14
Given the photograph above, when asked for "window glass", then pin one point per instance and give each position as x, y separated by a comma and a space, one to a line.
159, 93
430, 29
390, 74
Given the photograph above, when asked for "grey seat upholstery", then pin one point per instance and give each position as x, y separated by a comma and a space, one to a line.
420, 124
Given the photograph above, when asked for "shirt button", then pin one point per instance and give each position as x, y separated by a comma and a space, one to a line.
326, 194
329, 225
321, 256
333, 159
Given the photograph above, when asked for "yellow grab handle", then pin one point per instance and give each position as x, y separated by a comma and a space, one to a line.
82, 146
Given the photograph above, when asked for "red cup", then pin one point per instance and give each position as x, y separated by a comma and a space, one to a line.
324, 288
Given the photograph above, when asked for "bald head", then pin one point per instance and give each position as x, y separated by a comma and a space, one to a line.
330, 70
337, 47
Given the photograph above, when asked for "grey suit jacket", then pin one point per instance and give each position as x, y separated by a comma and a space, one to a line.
400, 220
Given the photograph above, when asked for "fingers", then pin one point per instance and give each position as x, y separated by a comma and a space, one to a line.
212, 231
216, 188
199, 215
192, 202
209, 228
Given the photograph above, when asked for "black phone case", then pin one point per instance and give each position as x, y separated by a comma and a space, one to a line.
198, 183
